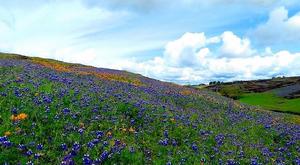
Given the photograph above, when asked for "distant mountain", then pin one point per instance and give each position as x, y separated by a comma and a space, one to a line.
53, 112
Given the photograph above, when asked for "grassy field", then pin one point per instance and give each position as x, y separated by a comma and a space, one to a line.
270, 101
57, 113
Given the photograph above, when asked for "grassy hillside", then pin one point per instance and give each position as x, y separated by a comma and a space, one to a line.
277, 94
269, 100
58, 113
258, 86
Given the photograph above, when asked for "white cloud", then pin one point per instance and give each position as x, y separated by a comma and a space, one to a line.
189, 60
183, 50
234, 46
280, 28
53, 29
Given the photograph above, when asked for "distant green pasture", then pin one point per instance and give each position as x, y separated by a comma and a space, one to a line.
270, 101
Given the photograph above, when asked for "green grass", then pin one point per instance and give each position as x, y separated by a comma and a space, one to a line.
270, 101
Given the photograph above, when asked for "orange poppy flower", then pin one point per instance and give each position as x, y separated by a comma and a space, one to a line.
22, 116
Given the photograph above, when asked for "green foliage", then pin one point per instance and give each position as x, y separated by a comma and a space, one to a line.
12, 56
215, 83
232, 91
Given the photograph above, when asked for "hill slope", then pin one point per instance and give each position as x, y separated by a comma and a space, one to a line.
258, 86
54, 112
276, 94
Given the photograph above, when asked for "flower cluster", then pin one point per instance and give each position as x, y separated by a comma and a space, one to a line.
21, 116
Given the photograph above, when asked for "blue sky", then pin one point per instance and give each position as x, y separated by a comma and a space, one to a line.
183, 41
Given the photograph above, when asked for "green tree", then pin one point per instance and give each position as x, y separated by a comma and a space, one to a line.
232, 91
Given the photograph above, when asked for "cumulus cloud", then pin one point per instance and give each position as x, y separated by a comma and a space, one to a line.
233, 46
189, 60
279, 28
183, 50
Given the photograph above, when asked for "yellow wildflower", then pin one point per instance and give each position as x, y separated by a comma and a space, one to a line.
13, 117
109, 133
81, 125
7, 133
131, 130
18, 130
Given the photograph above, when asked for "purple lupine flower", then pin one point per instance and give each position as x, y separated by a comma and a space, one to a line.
117, 142
164, 142
230, 162
194, 147
87, 160
95, 141
174, 142
14, 111
97, 161
39, 147
29, 153
166, 133
76, 147
105, 143
253, 161
241, 154
132, 121
3, 139
104, 155
66, 111
81, 131
267, 126
37, 155
131, 149
99, 134
21, 147
63, 147
90, 144
29, 163
7, 143
47, 99
47, 109
219, 139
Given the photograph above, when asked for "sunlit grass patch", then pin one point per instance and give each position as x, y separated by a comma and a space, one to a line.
270, 101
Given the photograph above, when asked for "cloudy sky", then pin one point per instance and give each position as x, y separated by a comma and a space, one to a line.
182, 41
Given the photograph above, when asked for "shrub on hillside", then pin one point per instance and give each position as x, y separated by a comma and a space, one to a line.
232, 91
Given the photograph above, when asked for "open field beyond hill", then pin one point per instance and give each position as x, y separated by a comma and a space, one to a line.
270, 101
277, 94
